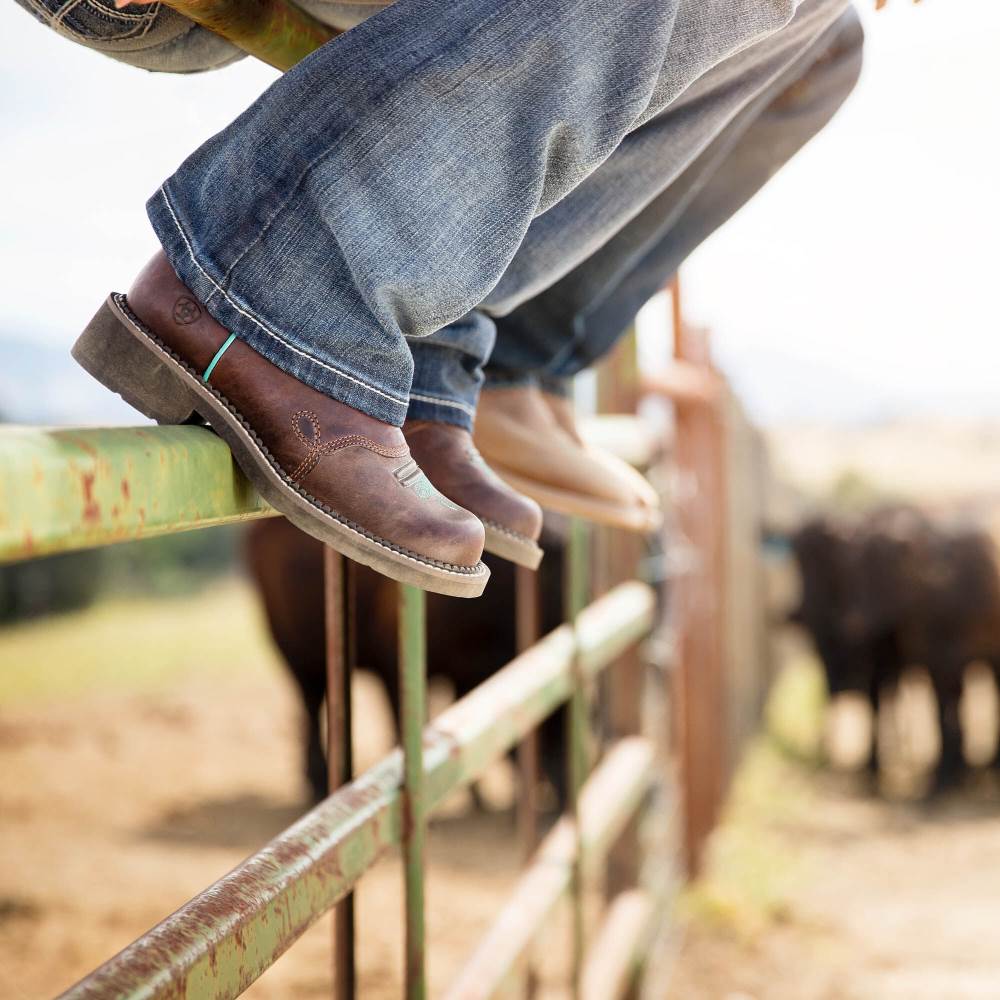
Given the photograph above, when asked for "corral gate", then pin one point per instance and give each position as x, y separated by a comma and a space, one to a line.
75, 488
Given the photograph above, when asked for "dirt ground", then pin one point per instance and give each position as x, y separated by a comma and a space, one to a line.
819, 888
147, 747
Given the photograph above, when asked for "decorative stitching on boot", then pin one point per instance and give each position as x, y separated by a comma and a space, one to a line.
318, 447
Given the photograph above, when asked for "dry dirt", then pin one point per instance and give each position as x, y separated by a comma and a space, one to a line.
819, 888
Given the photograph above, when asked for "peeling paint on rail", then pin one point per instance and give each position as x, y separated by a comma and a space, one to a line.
65, 489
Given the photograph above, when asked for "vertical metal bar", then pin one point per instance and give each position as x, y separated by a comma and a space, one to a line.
413, 691
577, 756
338, 612
528, 629
700, 604
623, 688
621, 685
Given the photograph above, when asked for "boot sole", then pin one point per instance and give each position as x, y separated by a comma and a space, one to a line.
511, 546
642, 520
129, 360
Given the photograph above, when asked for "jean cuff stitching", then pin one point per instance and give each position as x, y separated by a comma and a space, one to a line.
464, 407
258, 323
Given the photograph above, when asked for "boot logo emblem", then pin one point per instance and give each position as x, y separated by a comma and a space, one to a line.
186, 311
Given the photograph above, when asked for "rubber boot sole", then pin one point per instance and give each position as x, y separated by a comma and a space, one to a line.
638, 518
511, 546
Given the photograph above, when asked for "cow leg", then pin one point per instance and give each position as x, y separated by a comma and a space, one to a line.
947, 681
315, 752
875, 699
995, 667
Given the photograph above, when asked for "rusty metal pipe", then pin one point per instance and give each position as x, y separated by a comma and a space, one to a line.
413, 689
338, 609
275, 31
609, 797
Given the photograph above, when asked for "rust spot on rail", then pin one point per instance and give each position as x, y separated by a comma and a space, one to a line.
91, 508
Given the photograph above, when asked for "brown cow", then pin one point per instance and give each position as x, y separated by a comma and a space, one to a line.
467, 641
893, 589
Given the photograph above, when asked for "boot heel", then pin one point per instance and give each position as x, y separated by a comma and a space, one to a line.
118, 359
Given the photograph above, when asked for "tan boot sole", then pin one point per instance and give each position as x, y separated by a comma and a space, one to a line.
118, 350
515, 548
632, 518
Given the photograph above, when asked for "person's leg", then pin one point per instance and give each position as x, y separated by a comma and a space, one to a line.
361, 199
525, 427
573, 323
325, 465
450, 366
383, 186
598, 223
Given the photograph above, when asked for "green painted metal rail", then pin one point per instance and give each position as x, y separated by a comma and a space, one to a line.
75, 488
275, 31
607, 800
78, 488
222, 940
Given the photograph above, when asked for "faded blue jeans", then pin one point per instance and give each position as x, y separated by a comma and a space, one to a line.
573, 323
448, 161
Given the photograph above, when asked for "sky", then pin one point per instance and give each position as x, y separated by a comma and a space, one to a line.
859, 285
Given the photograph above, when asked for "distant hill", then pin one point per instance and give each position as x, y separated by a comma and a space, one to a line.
946, 463
42, 384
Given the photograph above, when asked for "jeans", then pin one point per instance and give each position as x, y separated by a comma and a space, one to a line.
573, 323
370, 218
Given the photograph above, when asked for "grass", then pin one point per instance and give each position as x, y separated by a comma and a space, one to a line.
124, 643
795, 710
752, 865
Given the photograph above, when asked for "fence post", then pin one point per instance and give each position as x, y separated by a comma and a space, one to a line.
338, 574
577, 734
702, 722
413, 692
618, 392
528, 631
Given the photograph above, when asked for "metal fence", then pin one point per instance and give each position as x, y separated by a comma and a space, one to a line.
66, 489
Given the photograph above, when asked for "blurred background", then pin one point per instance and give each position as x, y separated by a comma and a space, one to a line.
852, 309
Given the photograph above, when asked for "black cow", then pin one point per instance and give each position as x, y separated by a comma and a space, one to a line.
894, 589
467, 641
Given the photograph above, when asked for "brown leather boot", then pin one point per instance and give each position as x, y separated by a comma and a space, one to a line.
520, 437
562, 410
446, 453
338, 474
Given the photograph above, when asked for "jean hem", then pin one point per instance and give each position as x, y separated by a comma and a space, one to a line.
347, 388
440, 410
507, 380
